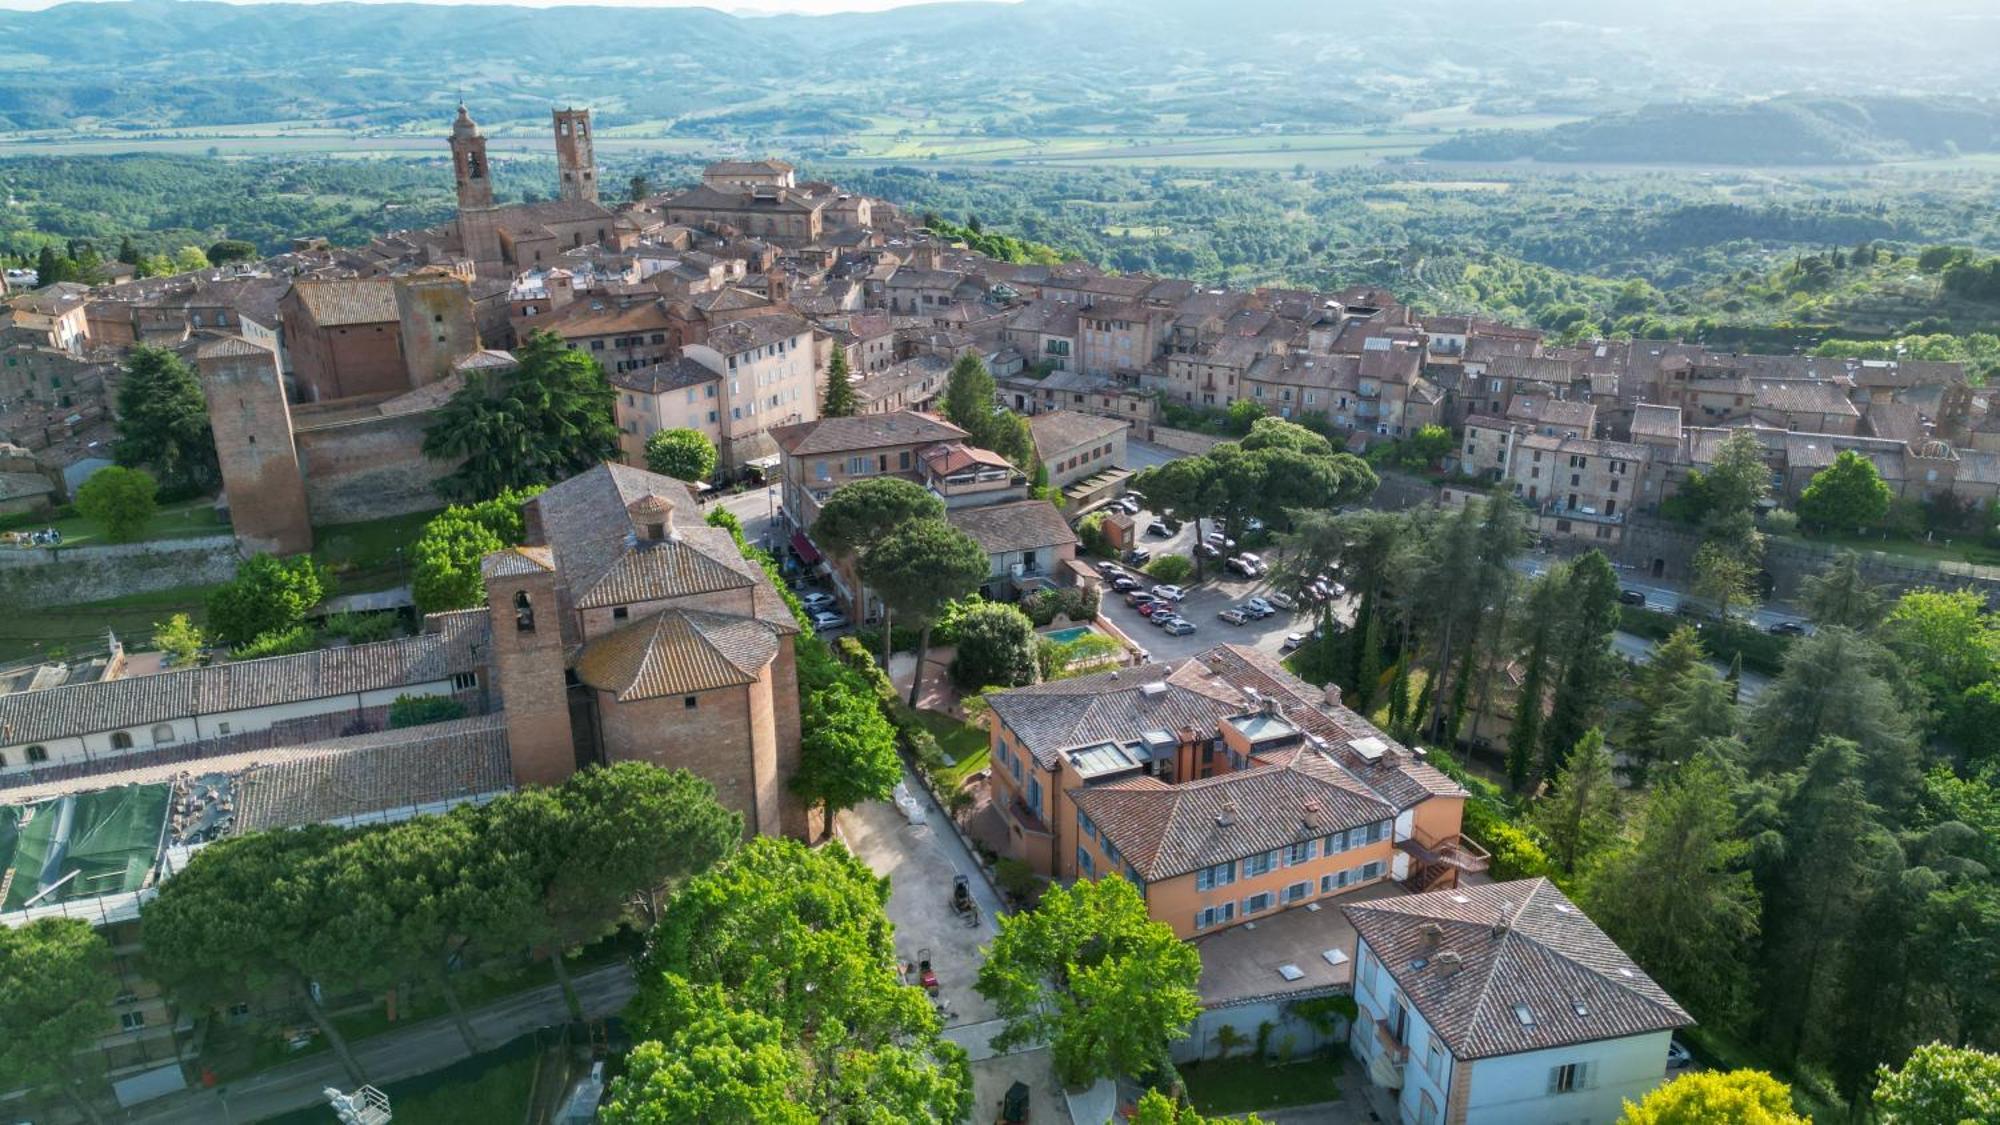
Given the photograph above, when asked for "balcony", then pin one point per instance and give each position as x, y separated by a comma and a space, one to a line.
1387, 1045
1455, 852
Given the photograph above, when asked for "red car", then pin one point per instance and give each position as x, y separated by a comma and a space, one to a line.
1146, 608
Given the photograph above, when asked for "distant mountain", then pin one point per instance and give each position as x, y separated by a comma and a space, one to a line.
1779, 131
1035, 67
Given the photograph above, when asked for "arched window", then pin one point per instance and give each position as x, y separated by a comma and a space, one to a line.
37, 753
121, 740
524, 613
163, 732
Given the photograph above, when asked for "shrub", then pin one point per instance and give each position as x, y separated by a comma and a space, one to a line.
268, 595
685, 455
420, 710
180, 638
996, 645
278, 642
1017, 880
924, 749
1171, 568
362, 628
1782, 521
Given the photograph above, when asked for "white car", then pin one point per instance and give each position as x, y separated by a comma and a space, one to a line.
817, 601
827, 620
1170, 593
1292, 641
1281, 599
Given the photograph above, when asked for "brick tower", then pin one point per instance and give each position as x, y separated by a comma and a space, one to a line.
253, 440
528, 651
478, 226
574, 158
439, 327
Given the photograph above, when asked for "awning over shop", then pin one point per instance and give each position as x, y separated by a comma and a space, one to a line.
807, 553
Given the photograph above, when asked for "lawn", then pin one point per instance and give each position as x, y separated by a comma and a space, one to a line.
368, 556
188, 519
71, 629
497, 1095
965, 744
1251, 1085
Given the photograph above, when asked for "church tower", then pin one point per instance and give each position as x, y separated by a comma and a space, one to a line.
575, 161
478, 230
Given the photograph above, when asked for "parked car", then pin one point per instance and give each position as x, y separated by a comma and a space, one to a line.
1234, 616
828, 620
817, 601
1222, 541
1149, 608
1128, 505
1678, 1056
1180, 628
1253, 560
1159, 530
1292, 641
1170, 592
1259, 607
1110, 569
1632, 597
1134, 496
1336, 589
1138, 597
1138, 556
1124, 582
1787, 629
1282, 600
1165, 617
1208, 550
1245, 565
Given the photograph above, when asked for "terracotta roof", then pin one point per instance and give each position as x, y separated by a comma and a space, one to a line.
863, 431
1169, 830
677, 652
516, 561
1653, 420
956, 456
1112, 706
1058, 431
1546, 978
1017, 526
75, 709
372, 773
676, 374
739, 336
348, 301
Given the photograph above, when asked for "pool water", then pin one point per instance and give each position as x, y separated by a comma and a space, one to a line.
1065, 636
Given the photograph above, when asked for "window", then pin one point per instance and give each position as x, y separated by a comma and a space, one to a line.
524, 613
121, 740
1300, 852
1257, 903
162, 732
1209, 878
1084, 825
1298, 891
688, 702
1257, 865
1083, 861
1568, 1078
131, 1021
1434, 1061
620, 613
464, 681
1035, 795
1215, 916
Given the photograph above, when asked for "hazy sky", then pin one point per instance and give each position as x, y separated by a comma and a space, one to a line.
744, 7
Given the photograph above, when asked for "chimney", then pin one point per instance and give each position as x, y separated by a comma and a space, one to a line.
1332, 694
653, 519
1227, 816
561, 287
1450, 963
1433, 934
1503, 920
779, 285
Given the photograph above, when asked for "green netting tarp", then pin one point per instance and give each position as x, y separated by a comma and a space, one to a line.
109, 839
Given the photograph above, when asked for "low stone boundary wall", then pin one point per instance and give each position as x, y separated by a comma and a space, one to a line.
49, 576
1185, 441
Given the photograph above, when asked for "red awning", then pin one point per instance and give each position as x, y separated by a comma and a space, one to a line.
807, 553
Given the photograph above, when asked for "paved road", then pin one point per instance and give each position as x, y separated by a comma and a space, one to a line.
1667, 599
395, 1055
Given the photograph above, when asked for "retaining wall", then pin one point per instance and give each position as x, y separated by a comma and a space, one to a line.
48, 576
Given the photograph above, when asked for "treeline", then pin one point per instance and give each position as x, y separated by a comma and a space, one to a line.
1815, 871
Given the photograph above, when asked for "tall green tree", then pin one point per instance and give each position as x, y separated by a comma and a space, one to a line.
1827, 859
1541, 618
539, 422
1848, 494
163, 422
685, 455
120, 500
996, 648
241, 918
840, 399
712, 1062
1837, 684
445, 558
54, 1003
847, 753
268, 595
1677, 896
1940, 1083
1091, 974
1583, 647
1841, 595
1579, 817
861, 515
917, 571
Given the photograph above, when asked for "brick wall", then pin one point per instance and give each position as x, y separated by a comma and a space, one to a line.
369, 468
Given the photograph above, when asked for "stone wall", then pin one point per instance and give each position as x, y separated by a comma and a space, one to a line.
368, 468
1654, 549
71, 575
1184, 441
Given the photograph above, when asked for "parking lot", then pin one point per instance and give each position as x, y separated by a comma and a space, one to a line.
1218, 590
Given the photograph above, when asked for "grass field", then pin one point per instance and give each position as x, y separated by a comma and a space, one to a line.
1249, 1085
188, 520
369, 556
30, 632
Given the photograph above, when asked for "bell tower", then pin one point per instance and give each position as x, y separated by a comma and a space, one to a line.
576, 162
478, 232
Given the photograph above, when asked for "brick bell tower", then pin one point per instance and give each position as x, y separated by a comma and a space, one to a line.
528, 660
576, 162
478, 226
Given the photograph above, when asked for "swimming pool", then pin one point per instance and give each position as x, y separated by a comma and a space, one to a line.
1065, 636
